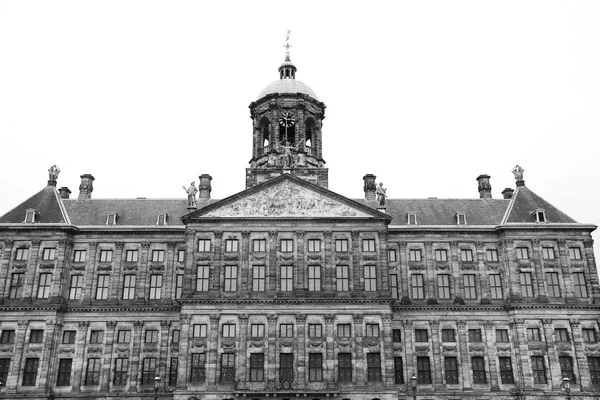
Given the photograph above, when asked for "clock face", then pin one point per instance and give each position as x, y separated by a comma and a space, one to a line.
287, 120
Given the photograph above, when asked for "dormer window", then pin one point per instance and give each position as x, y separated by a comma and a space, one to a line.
411, 219
162, 219
30, 216
461, 219
539, 215
111, 219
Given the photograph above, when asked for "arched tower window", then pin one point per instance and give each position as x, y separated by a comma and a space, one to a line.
309, 143
265, 134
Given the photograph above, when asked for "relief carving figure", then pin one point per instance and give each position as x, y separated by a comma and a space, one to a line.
381, 196
191, 193
518, 173
53, 173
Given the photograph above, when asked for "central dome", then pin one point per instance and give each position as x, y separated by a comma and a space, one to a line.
287, 86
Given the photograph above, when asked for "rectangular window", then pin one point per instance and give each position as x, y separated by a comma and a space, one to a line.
421, 335
451, 370
396, 335
121, 367
287, 245
8, 336
204, 245
461, 219
491, 255
393, 278
448, 335
589, 335
131, 256
314, 278
287, 278
443, 281
148, 371
574, 253
200, 330
373, 367
180, 255
470, 286
64, 372
173, 370
392, 256
479, 375
286, 330
175, 336
257, 367
533, 334
548, 253
562, 334
106, 255
594, 365
526, 284
566, 368
155, 287
258, 278
96, 337
198, 370
102, 287
48, 254
259, 245
368, 245
370, 278
16, 286
496, 286
315, 367
372, 330
257, 330
44, 286
92, 373
124, 336
579, 284
398, 371
344, 330
411, 219
286, 367
231, 245
228, 330
128, 287
342, 278
158, 255
441, 255
22, 254
466, 255
36, 336
345, 367
151, 336
522, 253
178, 286
4, 365
315, 330
475, 335
506, 371
423, 371
30, 371
202, 275
314, 245
502, 336
231, 278
539, 369
414, 255
79, 255
68, 337
417, 286
227, 367
341, 245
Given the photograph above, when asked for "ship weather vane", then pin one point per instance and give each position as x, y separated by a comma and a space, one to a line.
287, 39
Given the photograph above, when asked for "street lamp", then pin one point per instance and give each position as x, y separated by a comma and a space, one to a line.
413, 385
156, 386
567, 386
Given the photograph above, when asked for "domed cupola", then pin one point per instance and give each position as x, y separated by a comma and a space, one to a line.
287, 120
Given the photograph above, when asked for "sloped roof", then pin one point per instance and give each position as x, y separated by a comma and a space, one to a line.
46, 202
443, 211
525, 202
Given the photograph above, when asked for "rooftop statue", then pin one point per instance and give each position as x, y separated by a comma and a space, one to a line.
381, 194
191, 193
53, 173
518, 172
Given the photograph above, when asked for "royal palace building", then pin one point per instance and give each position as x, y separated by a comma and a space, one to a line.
287, 290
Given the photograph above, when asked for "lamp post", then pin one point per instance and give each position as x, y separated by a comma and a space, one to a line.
413, 385
567, 386
156, 386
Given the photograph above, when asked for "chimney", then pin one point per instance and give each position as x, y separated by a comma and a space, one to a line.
485, 189
508, 193
204, 187
370, 186
64, 192
86, 187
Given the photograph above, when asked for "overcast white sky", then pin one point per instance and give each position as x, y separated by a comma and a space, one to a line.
427, 95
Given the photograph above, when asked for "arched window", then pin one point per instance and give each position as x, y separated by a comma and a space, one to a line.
309, 142
265, 135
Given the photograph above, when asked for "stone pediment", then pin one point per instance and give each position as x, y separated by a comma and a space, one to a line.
286, 199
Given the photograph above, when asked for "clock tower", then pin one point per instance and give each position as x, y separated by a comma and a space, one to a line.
286, 131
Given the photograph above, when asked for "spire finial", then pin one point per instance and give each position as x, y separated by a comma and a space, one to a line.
287, 45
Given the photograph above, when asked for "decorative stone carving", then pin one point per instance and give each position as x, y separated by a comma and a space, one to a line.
95, 349
355, 235
449, 348
327, 234
407, 324
286, 345
461, 324
477, 347
416, 266
67, 350
329, 318
272, 318
145, 245
546, 321
36, 243
422, 349
107, 268
502, 347
83, 325
301, 318
214, 318
243, 318
387, 317
536, 346
111, 324
252, 344
165, 324
19, 266
138, 325
369, 257
488, 324
34, 349
574, 322
358, 318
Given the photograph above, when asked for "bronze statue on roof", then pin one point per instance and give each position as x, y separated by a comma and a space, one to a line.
518, 172
53, 173
191, 193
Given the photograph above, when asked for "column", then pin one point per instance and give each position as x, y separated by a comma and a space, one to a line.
429, 273
436, 359
403, 268
242, 358
359, 354
271, 273
5, 252
524, 368
455, 271
245, 273
89, 273
60, 278
554, 374
212, 361
409, 349
142, 275
107, 359
134, 361
538, 274
383, 267
52, 346
300, 280
580, 363
116, 276
330, 360
388, 356
357, 285
78, 360
301, 354
163, 364
271, 348
466, 373
184, 339
492, 352
328, 277
46, 362
189, 285
168, 293
17, 358
31, 278
513, 291
484, 280
217, 267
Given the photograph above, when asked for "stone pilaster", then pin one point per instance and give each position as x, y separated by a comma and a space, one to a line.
271, 273
455, 270
162, 365
18, 357
388, 352
302, 355
189, 285
383, 267
89, 273
593, 271
482, 278
134, 361
116, 275
245, 272
492, 352
271, 348
60, 278
212, 360
5, 252
436, 360
217, 266
580, 362
107, 359
330, 360
46, 362
168, 291
522, 351
78, 361
428, 273
357, 273
143, 277
538, 274
32, 271
328, 268
184, 342
359, 355
243, 357
300, 280
408, 345
404, 280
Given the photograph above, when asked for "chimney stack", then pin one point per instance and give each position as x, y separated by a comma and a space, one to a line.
64, 192
204, 187
485, 189
86, 187
370, 186
508, 193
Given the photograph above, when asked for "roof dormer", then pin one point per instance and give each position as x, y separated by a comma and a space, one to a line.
31, 216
